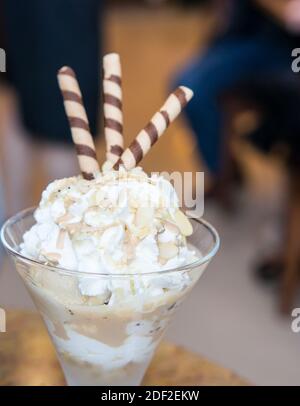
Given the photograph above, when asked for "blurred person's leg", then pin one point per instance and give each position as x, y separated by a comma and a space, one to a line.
225, 65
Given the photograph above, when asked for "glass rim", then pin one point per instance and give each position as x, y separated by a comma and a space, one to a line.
203, 260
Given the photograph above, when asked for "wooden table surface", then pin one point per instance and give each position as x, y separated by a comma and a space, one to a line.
28, 358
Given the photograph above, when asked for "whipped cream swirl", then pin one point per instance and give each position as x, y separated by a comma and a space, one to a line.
122, 222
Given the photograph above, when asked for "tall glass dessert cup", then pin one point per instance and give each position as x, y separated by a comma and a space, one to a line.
100, 343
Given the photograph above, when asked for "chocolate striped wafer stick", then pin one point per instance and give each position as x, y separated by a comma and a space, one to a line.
113, 115
78, 120
155, 128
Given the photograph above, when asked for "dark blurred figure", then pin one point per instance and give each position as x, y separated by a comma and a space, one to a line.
41, 37
254, 46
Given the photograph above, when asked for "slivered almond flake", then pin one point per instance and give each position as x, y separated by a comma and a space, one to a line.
129, 250
73, 228
162, 261
143, 217
69, 201
167, 250
65, 218
183, 223
84, 228
143, 232
171, 227
160, 228
94, 208
90, 229
51, 256
60, 243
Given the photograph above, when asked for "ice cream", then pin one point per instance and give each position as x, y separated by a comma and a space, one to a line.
106, 256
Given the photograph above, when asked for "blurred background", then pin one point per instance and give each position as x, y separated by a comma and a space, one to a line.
242, 128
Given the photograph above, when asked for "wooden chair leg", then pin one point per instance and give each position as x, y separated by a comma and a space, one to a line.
290, 276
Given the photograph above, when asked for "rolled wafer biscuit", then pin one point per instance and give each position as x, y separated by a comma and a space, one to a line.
78, 120
113, 114
155, 128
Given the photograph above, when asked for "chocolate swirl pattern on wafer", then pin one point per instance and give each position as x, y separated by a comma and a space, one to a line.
78, 121
113, 113
155, 128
